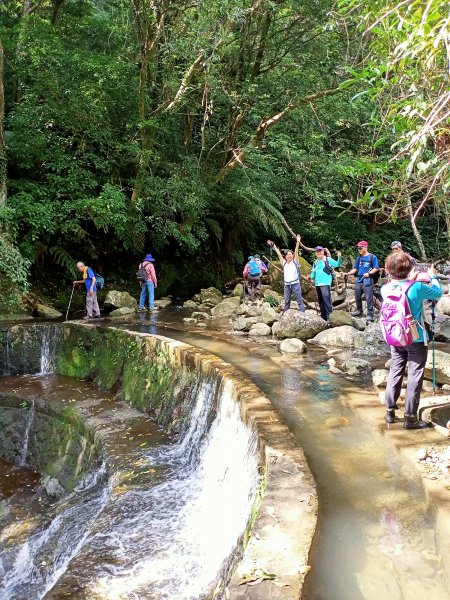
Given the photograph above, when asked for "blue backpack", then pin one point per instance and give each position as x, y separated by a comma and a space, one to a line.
254, 269
99, 281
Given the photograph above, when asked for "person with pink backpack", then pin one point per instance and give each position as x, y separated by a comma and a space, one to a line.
402, 322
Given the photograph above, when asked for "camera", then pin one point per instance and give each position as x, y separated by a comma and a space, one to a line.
420, 272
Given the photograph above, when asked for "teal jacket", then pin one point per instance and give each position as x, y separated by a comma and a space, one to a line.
317, 273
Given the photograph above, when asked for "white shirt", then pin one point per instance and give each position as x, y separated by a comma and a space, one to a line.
290, 272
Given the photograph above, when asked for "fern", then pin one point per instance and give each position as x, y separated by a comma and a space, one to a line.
63, 258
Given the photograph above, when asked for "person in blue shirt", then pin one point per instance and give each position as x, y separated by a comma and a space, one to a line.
321, 276
365, 267
92, 307
398, 266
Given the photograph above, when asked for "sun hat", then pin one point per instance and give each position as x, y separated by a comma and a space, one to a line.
318, 248
362, 244
149, 258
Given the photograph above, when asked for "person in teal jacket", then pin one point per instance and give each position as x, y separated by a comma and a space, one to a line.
321, 276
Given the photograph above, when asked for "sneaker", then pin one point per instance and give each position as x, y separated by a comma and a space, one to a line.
369, 319
390, 415
356, 314
86, 318
141, 309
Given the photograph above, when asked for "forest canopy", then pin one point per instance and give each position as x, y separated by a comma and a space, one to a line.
189, 129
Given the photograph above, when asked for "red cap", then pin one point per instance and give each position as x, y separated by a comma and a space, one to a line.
362, 244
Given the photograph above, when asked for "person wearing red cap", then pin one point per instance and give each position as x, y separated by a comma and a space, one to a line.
365, 267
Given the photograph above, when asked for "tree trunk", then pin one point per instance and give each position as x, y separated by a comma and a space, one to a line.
3, 162
416, 233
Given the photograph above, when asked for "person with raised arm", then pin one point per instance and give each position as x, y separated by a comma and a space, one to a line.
290, 265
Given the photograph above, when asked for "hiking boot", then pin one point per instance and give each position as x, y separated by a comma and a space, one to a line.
369, 318
390, 415
356, 314
141, 309
86, 318
412, 422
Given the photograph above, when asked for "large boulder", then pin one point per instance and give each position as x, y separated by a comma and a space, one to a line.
226, 308
260, 329
443, 306
339, 318
239, 324
380, 377
238, 289
294, 323
292, 346
47, 312
443, 332
355, 366
210, 296
190, 304
120, 300
163, 302
442, 363
268, 314
339, 337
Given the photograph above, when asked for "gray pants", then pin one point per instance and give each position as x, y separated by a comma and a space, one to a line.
415, 355
293, 288
92, 307
361, 288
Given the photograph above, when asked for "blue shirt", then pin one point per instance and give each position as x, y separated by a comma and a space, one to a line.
88, 279
416, 294
364, 264
318, 274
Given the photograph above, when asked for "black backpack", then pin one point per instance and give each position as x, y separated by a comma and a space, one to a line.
141, 273
375, 277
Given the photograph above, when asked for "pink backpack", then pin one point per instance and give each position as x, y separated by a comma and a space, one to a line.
397, 323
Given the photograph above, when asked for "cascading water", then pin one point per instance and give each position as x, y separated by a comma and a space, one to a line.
28, 425
49, 342
175, 539
7, 367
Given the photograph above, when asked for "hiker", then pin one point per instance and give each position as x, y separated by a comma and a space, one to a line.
89, 279
291, 273
403, 325
322, 277
252, 275
366, 268
148, 282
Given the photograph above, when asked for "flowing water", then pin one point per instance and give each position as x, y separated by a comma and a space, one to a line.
160, 520
375, 538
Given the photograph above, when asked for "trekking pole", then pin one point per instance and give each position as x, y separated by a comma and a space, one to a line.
433, 320
70, 301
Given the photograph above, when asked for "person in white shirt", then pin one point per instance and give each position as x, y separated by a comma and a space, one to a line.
291, 273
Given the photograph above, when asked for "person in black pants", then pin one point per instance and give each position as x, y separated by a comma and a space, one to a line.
366, 267
322, 277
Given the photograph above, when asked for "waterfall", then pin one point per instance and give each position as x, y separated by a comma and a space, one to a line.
26, 574
7, 369
28, 425
49, 341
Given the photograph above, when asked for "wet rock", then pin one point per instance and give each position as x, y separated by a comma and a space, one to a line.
122, 312
210, 296
335, 422
355, 366
120, 300
190, 304
442, 362
163, 302
238, 289
47, 312
375, 584
268, 314
334, 370
340, 317
443, 306
292, 346
254, 311
249, 321
260, 329
53, 487
225, 308
200, 324
359, 324
341, 337
276, 328
293, 323
200, 315
197, 298
239, 324
380, 377
331, 362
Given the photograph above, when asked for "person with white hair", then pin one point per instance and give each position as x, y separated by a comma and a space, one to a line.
89, 279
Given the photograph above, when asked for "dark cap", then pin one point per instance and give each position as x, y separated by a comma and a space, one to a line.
318, 248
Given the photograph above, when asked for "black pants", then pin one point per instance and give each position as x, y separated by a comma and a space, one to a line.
415, 356
367, 290
324, 296
253, 285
